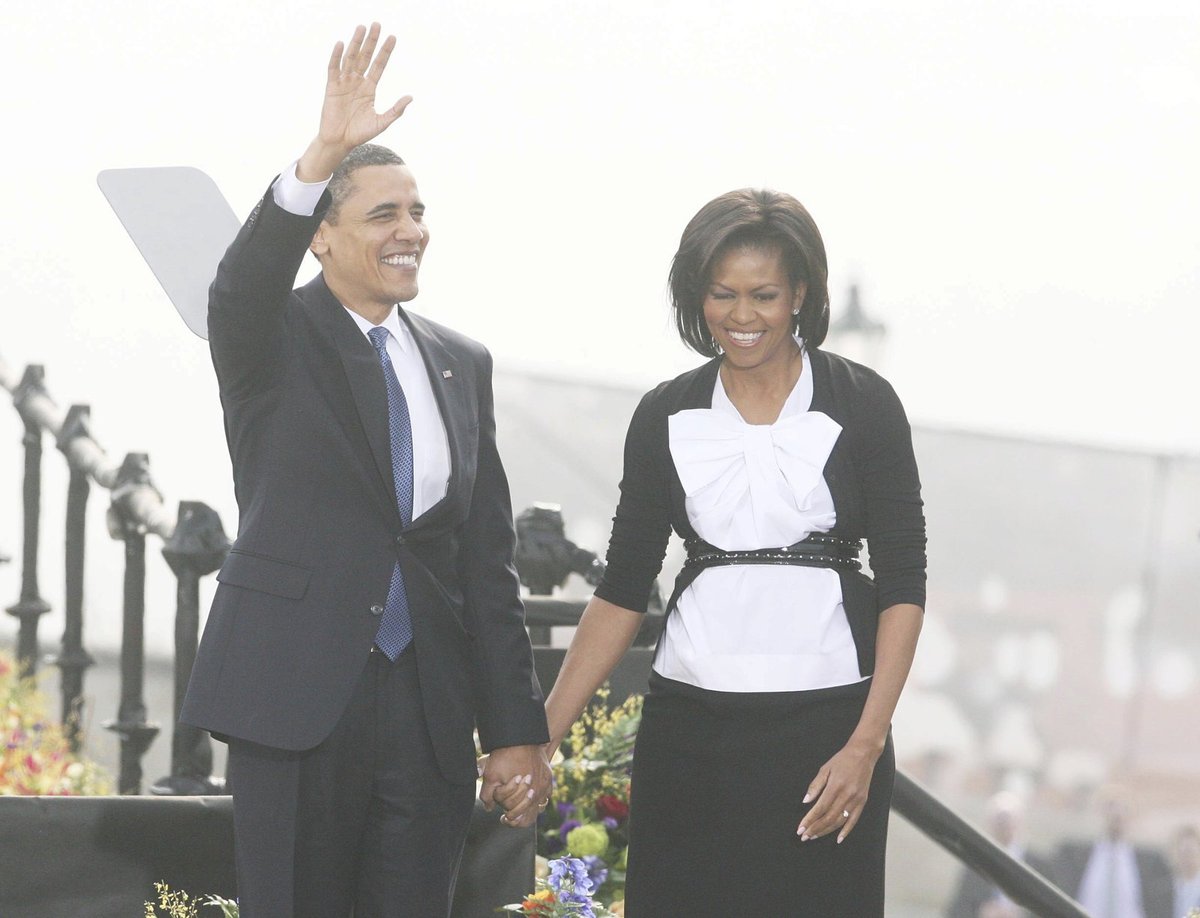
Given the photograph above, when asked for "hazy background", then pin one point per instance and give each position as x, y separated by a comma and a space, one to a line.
1012, 184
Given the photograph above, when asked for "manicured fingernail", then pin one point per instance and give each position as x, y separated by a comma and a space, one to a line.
528, 779
529, 794
841, 838
800, 831
807, 797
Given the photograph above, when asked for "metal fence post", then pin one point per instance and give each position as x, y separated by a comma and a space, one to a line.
73, 660
197, 547
131, 725
30, 607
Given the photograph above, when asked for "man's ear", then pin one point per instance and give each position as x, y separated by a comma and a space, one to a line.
319, 246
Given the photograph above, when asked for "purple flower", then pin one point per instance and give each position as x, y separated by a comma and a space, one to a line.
569, 879
573, 872
609, 823
565, 829
597, 870
566, 810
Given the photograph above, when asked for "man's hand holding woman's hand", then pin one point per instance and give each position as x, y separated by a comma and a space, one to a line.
519, 779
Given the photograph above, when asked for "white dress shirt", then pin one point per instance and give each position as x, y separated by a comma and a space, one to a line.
757, 628
1112, 886
431, 449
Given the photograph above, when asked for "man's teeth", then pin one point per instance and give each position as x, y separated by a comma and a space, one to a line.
401, 261
746, 337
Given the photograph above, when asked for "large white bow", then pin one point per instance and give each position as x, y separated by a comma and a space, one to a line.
754, 486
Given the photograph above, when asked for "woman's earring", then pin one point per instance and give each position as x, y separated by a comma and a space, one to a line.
796, 312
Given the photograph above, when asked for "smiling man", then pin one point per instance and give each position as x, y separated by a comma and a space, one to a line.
368, 616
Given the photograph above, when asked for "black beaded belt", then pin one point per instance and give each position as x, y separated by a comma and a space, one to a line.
818, 550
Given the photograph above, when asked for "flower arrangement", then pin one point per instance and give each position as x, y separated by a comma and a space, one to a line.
588, 818
565, 893
177, 904
36, 757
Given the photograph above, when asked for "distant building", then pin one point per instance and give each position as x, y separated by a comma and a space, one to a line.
855, 335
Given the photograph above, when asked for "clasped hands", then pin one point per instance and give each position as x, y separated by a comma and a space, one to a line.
519, 780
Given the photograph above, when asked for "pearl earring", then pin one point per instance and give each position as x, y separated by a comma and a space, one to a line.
795, 312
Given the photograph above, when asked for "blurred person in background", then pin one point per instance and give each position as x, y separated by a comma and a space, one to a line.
1185, 867
977, 897
1112, 877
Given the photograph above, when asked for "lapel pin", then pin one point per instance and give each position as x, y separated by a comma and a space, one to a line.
446, 374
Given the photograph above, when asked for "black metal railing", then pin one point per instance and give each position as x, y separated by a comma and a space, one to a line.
194, 545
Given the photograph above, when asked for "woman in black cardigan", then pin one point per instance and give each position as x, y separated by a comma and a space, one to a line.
763, 770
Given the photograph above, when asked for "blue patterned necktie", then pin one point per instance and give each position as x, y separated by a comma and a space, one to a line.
395, 628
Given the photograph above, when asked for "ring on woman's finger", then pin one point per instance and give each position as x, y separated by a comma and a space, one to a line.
845, 814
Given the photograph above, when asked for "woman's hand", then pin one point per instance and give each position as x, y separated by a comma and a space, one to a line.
842, 783
839, 791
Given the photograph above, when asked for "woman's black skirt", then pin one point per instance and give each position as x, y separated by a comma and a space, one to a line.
718, 780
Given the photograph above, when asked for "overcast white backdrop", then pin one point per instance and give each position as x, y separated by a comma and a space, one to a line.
1014, 185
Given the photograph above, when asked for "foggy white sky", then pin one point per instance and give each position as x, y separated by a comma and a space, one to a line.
1013, 184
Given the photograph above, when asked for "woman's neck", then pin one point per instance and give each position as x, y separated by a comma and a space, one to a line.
759, 393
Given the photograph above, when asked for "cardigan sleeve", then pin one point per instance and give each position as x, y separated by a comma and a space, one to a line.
642, 524
891, 490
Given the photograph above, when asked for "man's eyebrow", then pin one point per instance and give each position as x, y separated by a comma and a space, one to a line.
388, 206
383, 208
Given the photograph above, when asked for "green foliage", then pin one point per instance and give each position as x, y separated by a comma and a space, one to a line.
172, 903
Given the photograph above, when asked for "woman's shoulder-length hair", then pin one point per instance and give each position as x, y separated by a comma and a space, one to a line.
749, 217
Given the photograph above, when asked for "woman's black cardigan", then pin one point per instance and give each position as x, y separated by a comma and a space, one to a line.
871, 473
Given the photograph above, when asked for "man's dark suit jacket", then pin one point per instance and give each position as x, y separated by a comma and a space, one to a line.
299, 598
1071, 859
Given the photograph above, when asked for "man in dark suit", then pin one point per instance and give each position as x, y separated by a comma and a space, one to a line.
977, 897
1112, 877
368, 616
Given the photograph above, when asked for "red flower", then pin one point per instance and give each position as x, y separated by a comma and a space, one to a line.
608, 805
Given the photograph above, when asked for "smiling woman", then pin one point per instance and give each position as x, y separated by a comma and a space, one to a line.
750, 309
774, 683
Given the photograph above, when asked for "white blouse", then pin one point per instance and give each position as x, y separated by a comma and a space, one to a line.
757, 628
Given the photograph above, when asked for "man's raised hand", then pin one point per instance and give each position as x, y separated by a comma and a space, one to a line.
348, 115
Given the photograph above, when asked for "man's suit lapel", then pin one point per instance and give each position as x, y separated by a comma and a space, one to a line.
364, 414
362, 407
